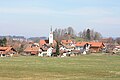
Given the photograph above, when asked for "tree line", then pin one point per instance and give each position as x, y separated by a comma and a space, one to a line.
65, 33
89, 35
70, 33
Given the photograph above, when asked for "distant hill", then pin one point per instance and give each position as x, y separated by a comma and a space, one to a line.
37, 39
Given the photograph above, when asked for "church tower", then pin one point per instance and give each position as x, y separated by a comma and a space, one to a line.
51, 37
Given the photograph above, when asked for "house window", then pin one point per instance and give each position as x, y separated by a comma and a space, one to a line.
3, 54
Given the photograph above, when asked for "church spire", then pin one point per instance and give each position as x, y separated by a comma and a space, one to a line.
51, 29
51, 36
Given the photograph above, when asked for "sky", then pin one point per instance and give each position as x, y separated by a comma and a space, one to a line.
33, 18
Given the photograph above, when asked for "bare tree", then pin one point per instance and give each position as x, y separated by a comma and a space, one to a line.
80, 34
71, 31
118, 40
97, 36
66, 34
58, 34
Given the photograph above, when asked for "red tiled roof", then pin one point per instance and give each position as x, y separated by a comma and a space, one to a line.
81, 43
67, 46
5, 49
33, 49
42, 42
66, 41
96, 44
93, 44
118, 46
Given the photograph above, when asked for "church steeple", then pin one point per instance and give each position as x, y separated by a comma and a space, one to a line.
51, 29
51, 36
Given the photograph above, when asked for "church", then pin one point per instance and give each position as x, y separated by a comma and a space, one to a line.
51, 36
50, 41
47, 46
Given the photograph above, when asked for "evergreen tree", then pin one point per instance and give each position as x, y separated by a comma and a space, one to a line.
88, 37
3, 42
57, 48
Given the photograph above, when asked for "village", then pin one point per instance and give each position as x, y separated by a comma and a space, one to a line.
59, 39
52, 48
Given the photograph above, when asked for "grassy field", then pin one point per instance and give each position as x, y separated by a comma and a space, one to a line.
89, 67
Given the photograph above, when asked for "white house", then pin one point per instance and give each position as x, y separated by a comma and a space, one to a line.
47, 52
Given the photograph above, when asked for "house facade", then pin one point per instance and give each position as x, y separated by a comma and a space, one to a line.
92, 47
96, 47
32, 49
7, 51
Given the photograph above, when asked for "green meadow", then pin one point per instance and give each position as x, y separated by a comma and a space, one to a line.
84, 67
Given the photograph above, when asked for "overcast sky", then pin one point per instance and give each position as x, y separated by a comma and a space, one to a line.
34, 17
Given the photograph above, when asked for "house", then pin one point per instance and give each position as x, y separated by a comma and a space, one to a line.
33, 49
50, 41
96, 47
109, 44
47, 47
7, 51
46, 43
116, 49
68, 42
75, 52
117, 46
67, 47
82, 47
47, 52
89, 46
42, 42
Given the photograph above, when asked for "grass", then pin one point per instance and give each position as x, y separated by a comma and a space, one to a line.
87, 67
